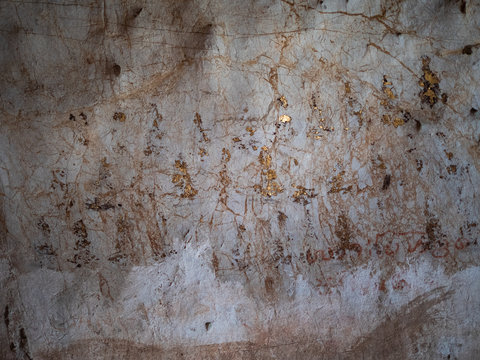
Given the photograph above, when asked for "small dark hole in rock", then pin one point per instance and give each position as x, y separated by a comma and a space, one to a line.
467, 50
418, 125
117, 69
137, 12
208, 325
72, 117
463, 7
473, 111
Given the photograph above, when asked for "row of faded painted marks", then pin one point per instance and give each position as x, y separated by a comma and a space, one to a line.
396, 245
269, 185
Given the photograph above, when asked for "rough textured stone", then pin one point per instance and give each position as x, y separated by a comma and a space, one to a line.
237, 179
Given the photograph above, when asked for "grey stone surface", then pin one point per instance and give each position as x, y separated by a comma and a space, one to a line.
240, 179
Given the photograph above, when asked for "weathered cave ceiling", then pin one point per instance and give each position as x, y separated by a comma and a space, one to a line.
240, 179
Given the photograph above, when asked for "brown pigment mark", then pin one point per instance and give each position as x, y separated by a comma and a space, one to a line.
208, 325
337, 184
392, 337
452, 169
104, 287
386, 182
269, 186
302, 194
419, 165
215, 262
82, 254
80, 230
43, 225
23, 343
119, 116
269, 285
436, 242
282, 218
183, 180
388, 244
97, 206
6, 316
430, 84
45, 249
109, 348
344, 234
198, 121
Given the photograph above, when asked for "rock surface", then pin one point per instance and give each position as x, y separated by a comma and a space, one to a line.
236, 179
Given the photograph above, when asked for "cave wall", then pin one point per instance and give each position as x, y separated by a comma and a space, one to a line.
240, 179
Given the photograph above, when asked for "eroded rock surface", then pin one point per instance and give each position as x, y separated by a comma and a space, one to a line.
240, 179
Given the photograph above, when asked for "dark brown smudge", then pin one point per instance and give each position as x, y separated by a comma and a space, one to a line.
386, 182
389, 339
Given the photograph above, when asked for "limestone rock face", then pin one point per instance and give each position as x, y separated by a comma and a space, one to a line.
240, 179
